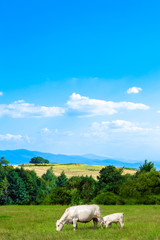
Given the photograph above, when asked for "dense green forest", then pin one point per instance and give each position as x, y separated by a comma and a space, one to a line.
19, 186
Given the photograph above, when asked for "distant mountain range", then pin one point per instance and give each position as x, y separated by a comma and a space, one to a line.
23, 156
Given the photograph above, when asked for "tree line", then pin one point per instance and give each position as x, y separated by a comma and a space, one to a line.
20, 186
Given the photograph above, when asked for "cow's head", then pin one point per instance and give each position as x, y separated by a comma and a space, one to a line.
101, 221
59, 225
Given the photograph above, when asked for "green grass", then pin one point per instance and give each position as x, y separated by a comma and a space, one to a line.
38, 223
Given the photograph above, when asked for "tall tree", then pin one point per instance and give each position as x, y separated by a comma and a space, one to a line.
4, 161
89, 188
110, 178
36, 160
147, 166
62, 180
50, 178
17, 189
30, 180
4, 192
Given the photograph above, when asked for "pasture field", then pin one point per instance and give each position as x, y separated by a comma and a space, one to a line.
142, 222
70, 169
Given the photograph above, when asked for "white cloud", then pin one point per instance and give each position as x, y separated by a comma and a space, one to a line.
21, 109
8, 137
45, 130
94, 107
12, 137
55, 132
106, 129
134, 90
1, 93
124, 126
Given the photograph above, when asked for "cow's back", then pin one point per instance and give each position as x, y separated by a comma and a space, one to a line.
84, 213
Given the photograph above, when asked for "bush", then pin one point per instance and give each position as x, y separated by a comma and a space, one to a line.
149, 200
107, 198
146, 200
129, 201
58, 196
75, 197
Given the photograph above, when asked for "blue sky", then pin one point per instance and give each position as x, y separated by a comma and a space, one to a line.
81, 77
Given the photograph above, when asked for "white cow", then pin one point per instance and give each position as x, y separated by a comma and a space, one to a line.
113, 218
81, 213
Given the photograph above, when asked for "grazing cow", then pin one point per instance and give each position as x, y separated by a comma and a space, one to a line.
113, 218
81, 213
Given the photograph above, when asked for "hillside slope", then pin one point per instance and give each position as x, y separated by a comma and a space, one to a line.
23, 156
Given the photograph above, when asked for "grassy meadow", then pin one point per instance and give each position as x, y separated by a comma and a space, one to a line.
142, 222
70, 169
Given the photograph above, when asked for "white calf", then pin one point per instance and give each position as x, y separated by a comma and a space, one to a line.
113, 218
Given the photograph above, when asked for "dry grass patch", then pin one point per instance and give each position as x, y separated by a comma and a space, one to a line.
71, 169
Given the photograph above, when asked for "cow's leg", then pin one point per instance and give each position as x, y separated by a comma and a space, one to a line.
110, 225
106, 225
75, 223
95, 221
121, 224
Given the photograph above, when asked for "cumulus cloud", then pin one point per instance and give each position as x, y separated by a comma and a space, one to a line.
117, 126
1, 93
134, 90
123, 126
106, 129
94, 107
8, 137
21, 109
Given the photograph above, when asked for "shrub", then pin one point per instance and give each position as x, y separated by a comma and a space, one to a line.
107, 198
58, 196
75, 197
129, 201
